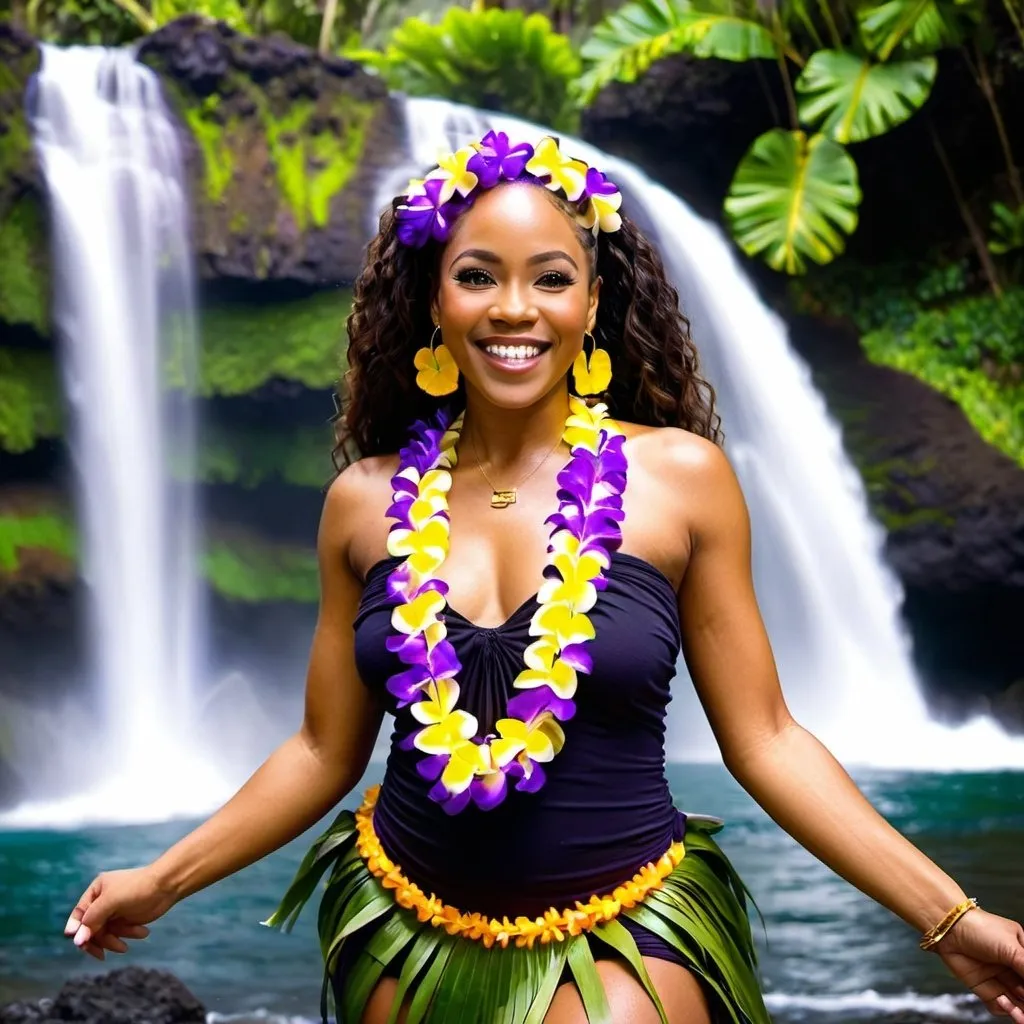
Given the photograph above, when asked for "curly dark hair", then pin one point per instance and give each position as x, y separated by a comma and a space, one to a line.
656, 378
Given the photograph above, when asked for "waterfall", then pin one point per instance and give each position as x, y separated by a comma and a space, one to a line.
123, 310
830, 603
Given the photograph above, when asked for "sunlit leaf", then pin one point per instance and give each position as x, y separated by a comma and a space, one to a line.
854, 99
793, 199
630, 40
915, 26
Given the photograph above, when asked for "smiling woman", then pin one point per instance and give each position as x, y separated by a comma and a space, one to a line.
522, 861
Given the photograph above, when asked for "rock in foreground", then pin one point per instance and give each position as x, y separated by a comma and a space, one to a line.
127, 996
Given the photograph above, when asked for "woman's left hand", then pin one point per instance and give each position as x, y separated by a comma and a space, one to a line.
986, 952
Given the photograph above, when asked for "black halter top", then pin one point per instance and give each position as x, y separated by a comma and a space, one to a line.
605, 809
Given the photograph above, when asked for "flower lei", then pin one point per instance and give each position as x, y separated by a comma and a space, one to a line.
433, 203
586, 531
554, 926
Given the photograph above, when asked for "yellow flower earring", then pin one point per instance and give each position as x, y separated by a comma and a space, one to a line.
438, 375
594, 375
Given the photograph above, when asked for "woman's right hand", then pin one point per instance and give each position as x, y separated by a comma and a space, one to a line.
117, 906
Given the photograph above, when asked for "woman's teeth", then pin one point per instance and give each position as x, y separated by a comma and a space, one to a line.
513, 351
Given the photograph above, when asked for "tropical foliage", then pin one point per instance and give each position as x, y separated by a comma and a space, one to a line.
486, 57
328, 24
850, 72
969, 347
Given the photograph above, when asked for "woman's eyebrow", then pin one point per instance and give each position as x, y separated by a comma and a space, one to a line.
486, 256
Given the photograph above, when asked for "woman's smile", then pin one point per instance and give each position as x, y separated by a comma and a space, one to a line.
514, 355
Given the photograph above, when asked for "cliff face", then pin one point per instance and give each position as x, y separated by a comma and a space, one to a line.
286, 149
286, 155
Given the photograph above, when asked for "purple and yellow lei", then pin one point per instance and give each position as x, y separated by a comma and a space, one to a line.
586, 530
433, 203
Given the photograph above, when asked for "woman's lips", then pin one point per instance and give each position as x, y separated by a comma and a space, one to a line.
509, 365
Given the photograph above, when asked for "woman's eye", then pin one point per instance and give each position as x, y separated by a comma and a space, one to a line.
554, 279
473, 276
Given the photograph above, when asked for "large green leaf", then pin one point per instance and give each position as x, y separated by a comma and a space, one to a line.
627, 42
793, 199
854, 99
915, 26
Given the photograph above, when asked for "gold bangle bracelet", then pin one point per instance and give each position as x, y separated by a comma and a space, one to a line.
933, 936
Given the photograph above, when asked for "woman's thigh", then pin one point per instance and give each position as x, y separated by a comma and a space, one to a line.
680, 992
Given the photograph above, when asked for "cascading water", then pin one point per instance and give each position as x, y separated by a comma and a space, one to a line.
123, 311
124, 294
830, 603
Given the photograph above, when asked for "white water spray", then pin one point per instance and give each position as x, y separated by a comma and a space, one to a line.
830, 603
123, 309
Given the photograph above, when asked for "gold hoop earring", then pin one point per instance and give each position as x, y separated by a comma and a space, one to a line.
593, 375
438, 375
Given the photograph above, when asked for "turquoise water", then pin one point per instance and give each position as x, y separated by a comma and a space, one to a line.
832, 956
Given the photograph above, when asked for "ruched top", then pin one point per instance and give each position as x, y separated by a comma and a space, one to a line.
605, 809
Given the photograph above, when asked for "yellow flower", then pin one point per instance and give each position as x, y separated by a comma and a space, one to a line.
566, 174
575, 588
605, 210
564, 625
584, 424
447, 728
451, 167
438, 375
414, 616
541, 742
592, 378
467, 759
561, 677
541, 654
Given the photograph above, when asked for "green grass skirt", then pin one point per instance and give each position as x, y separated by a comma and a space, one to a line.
700, 910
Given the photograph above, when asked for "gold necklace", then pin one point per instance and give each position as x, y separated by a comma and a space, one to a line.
503, 497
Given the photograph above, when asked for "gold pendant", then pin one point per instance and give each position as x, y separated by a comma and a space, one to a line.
502, 499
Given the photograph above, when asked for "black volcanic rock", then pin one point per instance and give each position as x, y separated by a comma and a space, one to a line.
132, 995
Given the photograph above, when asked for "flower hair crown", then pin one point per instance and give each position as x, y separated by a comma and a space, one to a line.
433, 203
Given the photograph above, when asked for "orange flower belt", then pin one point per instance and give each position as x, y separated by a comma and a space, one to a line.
554, 926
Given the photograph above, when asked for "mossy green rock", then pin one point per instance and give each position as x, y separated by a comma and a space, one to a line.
30, 402
236, 565
286, 150
24, 248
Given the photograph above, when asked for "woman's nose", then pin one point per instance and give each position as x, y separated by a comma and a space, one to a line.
512, 306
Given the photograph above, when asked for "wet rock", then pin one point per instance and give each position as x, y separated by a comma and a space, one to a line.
131, 995
953, 508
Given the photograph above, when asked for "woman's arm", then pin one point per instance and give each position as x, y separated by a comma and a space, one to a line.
783, 766
314, 768
297, 784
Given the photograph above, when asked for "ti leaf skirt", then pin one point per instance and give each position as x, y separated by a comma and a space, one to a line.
699, 910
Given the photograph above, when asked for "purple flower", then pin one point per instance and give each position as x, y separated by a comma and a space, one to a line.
528, 704
598, 185
422, 217
496, 160
487, 791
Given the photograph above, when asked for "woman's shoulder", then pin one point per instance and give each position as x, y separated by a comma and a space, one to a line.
673, 454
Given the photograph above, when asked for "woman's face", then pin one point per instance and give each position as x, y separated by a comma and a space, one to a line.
514, 279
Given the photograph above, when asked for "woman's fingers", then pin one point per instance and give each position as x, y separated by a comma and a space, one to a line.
120, 927
93, 950
80, 908
1011, 1009
111, 942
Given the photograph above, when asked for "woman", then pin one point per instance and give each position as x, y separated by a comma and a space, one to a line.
522, 860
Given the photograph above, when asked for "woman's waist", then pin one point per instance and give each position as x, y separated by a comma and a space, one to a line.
532, 852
